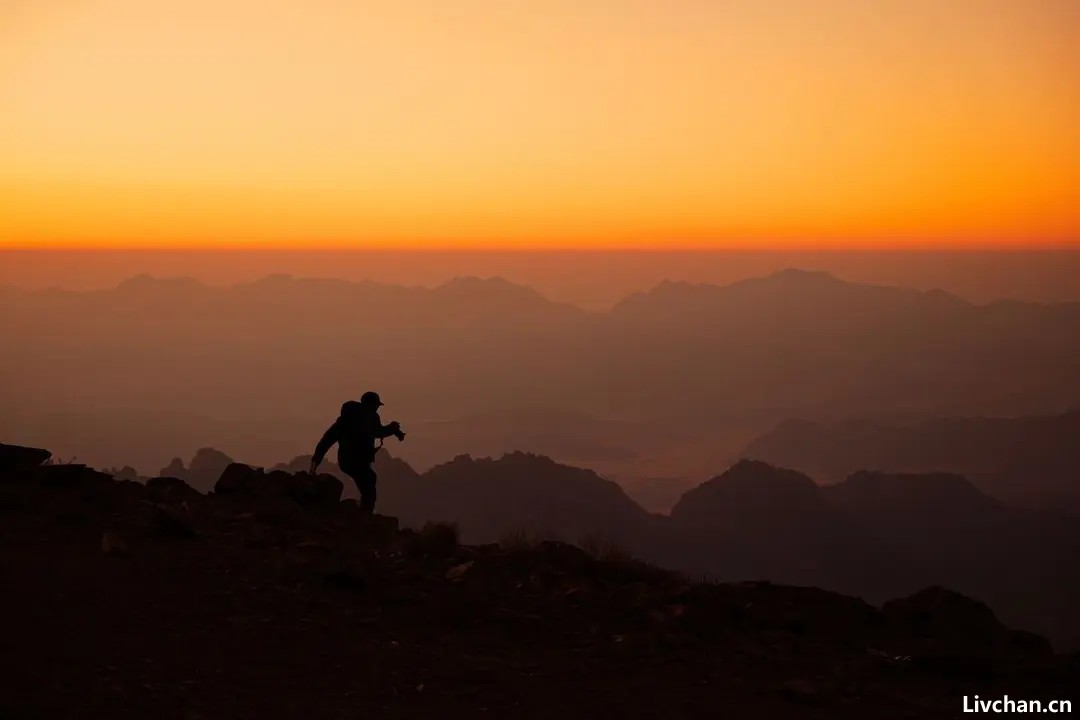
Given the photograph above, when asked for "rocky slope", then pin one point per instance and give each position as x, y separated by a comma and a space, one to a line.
874, 535
271, 598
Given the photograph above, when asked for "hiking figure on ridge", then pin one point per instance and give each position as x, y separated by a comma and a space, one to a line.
355, 431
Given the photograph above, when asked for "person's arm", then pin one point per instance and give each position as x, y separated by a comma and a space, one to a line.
385, 431
328, 439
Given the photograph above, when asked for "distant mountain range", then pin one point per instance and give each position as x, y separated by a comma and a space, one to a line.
670, 383
874, 535
1028, 460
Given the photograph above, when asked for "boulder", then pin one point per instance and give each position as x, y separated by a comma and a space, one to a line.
77, 477
312, 490
240, 479
170, 489
303, 488
17, 457
457, 573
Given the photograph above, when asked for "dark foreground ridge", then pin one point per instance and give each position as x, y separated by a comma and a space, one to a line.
271, 598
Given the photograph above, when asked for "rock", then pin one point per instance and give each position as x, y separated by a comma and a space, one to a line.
77, 477
238, 478
313, 490
457, 573
17, 457
303, 488
171, 489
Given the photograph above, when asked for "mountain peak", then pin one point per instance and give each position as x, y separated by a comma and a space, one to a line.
748, 488
470, 286
802, 281
760, 477
276, 279
144, 281
466, 282
792, 274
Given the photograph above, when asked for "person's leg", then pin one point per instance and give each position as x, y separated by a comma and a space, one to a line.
356, 472
365, 482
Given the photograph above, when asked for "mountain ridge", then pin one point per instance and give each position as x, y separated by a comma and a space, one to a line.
785, 279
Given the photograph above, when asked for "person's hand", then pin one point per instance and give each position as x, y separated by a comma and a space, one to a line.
395, 427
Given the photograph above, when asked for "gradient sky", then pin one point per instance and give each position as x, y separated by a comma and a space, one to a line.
567, 123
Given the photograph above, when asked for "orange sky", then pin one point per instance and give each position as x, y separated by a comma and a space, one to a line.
536, 123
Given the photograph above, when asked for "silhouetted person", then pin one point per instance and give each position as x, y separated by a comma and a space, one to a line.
355, 431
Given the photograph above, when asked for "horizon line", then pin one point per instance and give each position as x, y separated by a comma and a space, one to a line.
826, 248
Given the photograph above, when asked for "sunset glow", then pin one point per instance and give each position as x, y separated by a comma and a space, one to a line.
554, 123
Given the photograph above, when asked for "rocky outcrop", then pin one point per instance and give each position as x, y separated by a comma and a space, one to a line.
303, 488
16, 457
756, 521
519, 492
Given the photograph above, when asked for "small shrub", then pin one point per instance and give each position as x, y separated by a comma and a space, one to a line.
600, 548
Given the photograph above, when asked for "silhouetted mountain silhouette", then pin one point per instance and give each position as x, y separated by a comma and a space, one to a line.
204, 470
520, 492
1029, 460
687, 368
756, 521
955, 535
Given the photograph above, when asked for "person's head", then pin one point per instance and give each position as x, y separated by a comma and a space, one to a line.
371, 400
